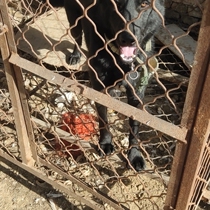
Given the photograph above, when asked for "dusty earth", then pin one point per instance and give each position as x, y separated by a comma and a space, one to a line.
21, 190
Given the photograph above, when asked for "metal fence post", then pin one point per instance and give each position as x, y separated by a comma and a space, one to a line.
17, 91
193, 98
199, 138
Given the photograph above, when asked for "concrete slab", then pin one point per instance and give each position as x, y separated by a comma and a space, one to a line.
48, 39
186, 44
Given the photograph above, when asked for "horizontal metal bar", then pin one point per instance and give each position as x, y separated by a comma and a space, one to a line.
95, 193
50, 181
61, 187
127, 110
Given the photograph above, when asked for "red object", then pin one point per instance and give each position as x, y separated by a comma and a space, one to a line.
82, 125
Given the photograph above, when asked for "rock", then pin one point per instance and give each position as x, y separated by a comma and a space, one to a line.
181, 8
189, 20
171, 14
194, 12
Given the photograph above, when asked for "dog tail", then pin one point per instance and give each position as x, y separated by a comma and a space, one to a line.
55, 3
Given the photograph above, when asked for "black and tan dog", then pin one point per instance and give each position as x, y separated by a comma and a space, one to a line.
128, 27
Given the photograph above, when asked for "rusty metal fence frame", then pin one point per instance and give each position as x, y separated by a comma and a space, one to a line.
193, 134
196, 106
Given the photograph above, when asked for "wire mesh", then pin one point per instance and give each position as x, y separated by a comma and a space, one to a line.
8, 135
66, 124
202, 183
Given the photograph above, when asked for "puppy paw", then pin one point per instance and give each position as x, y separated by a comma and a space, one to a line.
73, 59
106, 149
136, 160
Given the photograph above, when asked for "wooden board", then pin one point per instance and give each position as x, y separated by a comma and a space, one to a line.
186, 44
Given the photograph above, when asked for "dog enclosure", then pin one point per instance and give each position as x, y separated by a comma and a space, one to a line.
48, 121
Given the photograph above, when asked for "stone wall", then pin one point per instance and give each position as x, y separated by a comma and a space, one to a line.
184, 12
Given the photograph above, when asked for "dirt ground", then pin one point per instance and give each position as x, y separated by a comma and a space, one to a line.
21, 190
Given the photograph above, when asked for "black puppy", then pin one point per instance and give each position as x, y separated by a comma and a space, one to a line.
117, 33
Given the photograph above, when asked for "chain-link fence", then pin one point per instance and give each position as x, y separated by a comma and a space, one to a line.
52, 107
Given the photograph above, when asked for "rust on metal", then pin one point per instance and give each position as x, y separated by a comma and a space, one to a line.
97, 194
17, 91
51, 181
17, 108
191, 159
201, 129
190, 109
142, 116
6, 21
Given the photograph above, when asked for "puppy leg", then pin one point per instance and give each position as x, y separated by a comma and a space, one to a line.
75, 56
134, 155
105, 141
73, 12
